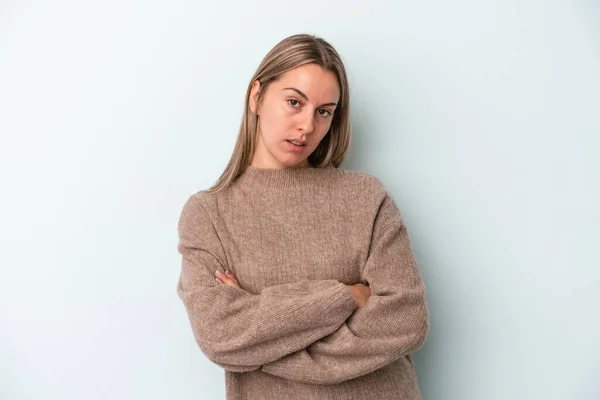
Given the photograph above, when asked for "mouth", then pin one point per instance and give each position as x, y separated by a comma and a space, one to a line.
296, 143
296, 148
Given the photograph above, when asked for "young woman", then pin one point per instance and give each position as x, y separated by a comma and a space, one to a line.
298, 277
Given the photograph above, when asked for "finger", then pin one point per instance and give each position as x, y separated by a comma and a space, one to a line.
232, 278
230, 283
226, 279
221, 277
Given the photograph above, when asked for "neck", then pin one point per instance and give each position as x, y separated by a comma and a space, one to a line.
282, 178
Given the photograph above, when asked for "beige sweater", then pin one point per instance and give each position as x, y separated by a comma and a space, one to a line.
294, 239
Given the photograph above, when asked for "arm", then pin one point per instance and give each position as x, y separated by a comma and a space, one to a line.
392, 324
239, 330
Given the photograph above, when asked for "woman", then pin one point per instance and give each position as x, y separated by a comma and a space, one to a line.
298, 277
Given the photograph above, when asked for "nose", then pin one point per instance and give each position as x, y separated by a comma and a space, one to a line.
306, 123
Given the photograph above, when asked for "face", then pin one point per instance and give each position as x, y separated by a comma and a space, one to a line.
299, 106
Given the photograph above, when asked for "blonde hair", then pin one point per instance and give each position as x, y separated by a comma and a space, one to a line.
290, 53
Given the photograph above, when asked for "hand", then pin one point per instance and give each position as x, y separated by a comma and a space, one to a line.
227, 278
361, 293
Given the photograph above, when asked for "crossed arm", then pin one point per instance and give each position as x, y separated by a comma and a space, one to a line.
308, 331
360, 291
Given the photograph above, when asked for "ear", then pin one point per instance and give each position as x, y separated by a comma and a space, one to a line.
254, 91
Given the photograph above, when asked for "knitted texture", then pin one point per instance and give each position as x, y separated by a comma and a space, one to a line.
294, 238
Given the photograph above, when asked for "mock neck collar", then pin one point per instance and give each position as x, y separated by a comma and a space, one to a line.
282, 178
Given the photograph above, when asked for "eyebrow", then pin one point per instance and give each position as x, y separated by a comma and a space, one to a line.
306, 98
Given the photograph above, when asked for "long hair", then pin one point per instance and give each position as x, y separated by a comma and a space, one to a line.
290, 53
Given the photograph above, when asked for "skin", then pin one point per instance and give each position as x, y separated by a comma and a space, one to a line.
286, 114
304, 112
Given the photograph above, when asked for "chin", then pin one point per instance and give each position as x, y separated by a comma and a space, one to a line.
294, 163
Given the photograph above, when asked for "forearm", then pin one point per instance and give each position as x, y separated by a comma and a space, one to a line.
374, 336
243, 330
236, 328
394, 323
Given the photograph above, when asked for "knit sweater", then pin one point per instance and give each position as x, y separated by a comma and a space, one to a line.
294, 238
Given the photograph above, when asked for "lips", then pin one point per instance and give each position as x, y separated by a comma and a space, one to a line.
302, 142
294, 147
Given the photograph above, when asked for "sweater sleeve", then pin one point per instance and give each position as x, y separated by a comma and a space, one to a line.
239, 330
393, 323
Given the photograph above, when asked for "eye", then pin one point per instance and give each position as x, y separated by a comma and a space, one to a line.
294, 102
324, 113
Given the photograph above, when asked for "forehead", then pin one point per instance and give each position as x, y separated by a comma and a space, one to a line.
319, 84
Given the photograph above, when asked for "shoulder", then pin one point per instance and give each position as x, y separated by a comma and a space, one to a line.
372, 194
362, 181
198, 208
203, 197
200, 202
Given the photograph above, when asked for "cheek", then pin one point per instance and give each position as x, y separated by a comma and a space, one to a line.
276, 122
324, 127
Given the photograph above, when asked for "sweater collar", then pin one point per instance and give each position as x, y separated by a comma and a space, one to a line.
282, 178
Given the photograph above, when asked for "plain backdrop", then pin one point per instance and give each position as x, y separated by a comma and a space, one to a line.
481, 117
